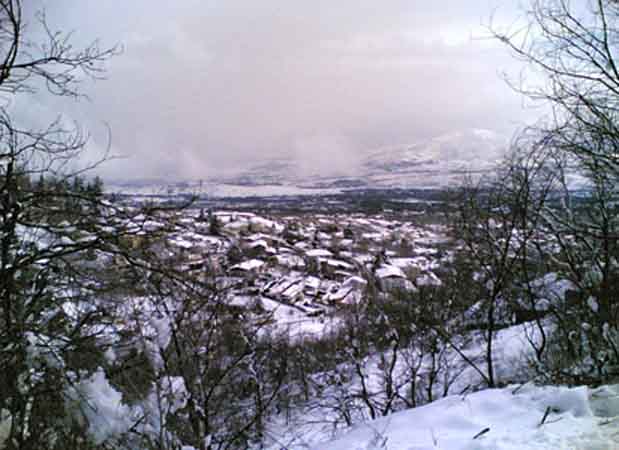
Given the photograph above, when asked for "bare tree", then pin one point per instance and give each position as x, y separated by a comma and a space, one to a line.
574, 46
499, 224
45, 323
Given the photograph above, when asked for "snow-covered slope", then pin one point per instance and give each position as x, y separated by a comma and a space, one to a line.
411, 165
497, 419
469, 150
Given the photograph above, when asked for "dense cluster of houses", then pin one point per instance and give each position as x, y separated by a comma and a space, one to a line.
309, 262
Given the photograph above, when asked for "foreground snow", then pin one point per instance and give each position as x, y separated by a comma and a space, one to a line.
576, 419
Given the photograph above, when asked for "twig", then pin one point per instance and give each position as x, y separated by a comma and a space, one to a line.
548, 409
481, 433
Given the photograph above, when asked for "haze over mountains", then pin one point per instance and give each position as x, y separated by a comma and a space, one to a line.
429, 163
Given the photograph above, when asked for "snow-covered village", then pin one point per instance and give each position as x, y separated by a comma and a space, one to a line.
302, 267
327, 225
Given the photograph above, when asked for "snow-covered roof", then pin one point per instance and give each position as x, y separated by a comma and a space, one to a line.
339, 264
340, 294
252, 264
428, 279
152, 225
420, 262
312, 281
294, 289
266, 223
388, 271
425, 251
354, 281
182, 243
318, 253
290, 260
258, 243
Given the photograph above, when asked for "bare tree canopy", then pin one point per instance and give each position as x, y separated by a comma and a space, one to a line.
570, 49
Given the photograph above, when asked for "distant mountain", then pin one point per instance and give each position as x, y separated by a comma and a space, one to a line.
464, 151
435, 162
470, 150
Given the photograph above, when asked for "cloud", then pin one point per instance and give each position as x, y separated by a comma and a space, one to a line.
203, 85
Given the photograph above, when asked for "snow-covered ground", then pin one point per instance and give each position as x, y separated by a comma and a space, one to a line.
516, 417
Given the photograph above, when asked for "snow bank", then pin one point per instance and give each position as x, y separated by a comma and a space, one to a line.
512, 417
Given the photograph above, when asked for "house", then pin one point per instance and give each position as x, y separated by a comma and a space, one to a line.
287, 290
248, 268
392, 278
335, 269
258, 249
290, 261
312, 285
261, 225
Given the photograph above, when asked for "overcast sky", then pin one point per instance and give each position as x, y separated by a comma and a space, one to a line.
207, 85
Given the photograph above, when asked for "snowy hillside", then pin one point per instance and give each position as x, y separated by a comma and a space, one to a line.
434, 162
516, 417
469, 150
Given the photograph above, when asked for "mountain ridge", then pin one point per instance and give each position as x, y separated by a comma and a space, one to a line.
434, 162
